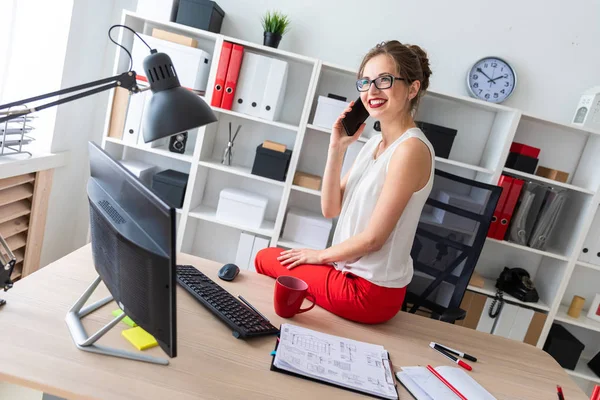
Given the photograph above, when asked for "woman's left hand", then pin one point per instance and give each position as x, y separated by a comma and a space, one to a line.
294, 257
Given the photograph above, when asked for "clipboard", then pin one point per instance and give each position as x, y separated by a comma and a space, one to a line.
283, 371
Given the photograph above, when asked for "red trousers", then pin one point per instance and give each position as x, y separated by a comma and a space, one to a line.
346, 295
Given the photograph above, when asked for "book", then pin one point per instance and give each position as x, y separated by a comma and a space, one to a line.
424, 385
349, 364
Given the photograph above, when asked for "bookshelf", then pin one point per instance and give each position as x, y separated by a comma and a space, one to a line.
485, 133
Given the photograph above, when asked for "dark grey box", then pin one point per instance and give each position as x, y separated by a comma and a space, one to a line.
170, 186
201, 14
563, 346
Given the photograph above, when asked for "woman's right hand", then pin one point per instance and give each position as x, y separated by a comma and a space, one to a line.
339, 139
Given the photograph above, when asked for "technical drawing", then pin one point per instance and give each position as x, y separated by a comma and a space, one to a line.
311, 343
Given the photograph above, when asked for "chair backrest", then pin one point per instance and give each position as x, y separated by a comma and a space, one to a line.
451, 233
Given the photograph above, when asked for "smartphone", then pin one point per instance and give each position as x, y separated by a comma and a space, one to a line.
355, 118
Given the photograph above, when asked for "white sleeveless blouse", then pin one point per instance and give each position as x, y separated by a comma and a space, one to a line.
391, 266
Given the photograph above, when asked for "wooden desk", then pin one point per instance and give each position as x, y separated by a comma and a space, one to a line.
37, 350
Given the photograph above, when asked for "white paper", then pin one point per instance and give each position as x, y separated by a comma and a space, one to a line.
437, 390
345, 362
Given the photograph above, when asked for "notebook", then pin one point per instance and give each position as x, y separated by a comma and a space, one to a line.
345, 363
423, 385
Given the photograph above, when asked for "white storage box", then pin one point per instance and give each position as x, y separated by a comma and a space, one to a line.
307, 228
452, 220
140, 169
191, 64
328, 110
242, 208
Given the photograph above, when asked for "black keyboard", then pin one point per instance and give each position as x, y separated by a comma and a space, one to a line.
240, 318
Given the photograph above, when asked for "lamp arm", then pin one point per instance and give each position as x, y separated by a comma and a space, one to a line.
126, 80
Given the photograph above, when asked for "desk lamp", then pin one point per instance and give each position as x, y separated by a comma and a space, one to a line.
172, 109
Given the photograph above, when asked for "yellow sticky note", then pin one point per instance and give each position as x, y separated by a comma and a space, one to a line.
126, 320
139, 338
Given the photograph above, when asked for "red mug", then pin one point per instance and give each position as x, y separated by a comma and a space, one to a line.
289, 295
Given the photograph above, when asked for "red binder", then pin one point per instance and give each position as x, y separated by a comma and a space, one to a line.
504, 182
235, 62
217, 96
509, 208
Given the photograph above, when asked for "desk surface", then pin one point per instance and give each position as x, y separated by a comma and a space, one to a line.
37, 350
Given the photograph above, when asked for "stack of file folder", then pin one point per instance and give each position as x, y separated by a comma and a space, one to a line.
249, 83
527, 212
14, 134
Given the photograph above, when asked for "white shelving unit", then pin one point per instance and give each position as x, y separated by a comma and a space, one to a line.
480, 149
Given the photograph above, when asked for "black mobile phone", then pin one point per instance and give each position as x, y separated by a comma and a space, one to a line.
355, 118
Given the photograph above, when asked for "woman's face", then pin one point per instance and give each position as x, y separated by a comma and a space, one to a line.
386, 104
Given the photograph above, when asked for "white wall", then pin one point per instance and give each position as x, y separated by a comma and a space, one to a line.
35, 56
552, 44
89, 57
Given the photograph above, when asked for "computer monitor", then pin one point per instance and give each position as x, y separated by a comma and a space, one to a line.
133, 246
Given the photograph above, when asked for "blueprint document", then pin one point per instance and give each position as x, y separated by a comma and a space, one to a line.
343, 362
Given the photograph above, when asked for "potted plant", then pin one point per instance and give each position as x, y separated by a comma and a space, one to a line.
275, 25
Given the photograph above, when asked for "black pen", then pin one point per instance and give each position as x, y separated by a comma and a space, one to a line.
252, 307
456, 352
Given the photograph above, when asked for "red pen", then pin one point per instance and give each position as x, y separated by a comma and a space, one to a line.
450, 356
596, 393
560, 393
445, 382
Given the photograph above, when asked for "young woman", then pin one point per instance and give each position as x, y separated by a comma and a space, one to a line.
363, 275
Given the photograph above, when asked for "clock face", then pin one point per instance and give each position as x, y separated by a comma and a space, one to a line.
491, 79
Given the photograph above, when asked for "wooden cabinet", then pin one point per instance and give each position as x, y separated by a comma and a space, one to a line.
23, 209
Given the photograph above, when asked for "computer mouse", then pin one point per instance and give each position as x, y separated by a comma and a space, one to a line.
228, 272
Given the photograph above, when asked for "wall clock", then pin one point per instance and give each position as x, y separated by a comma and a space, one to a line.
491, 79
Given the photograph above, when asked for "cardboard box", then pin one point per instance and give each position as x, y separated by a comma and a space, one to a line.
473, 303
267, 144
118, 113
174, 37
553, 174
477, 280
308, 181
535, 328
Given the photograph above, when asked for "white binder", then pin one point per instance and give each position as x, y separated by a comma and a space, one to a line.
243, 257
591, 242
505, 320
274, 94
241, 102
594, 253
133, 121
259, 83
259, 244
192, 65
521, 324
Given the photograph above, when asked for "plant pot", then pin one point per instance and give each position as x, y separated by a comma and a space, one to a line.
271, 39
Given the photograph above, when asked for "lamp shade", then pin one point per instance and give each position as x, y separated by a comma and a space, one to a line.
171, 109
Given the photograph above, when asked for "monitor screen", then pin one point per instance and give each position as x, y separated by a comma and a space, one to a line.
133, 246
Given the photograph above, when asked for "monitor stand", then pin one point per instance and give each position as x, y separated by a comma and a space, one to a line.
85, 342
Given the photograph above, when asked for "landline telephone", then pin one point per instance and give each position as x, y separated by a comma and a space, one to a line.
517, 283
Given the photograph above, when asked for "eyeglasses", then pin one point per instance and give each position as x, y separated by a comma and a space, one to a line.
381, 82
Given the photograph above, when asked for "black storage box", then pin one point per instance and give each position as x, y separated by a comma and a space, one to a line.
563, 346
170, 186
201, 14
594, 364
271, 164
440, 137
521, 163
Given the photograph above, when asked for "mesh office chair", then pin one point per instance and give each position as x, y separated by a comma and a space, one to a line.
451, 233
